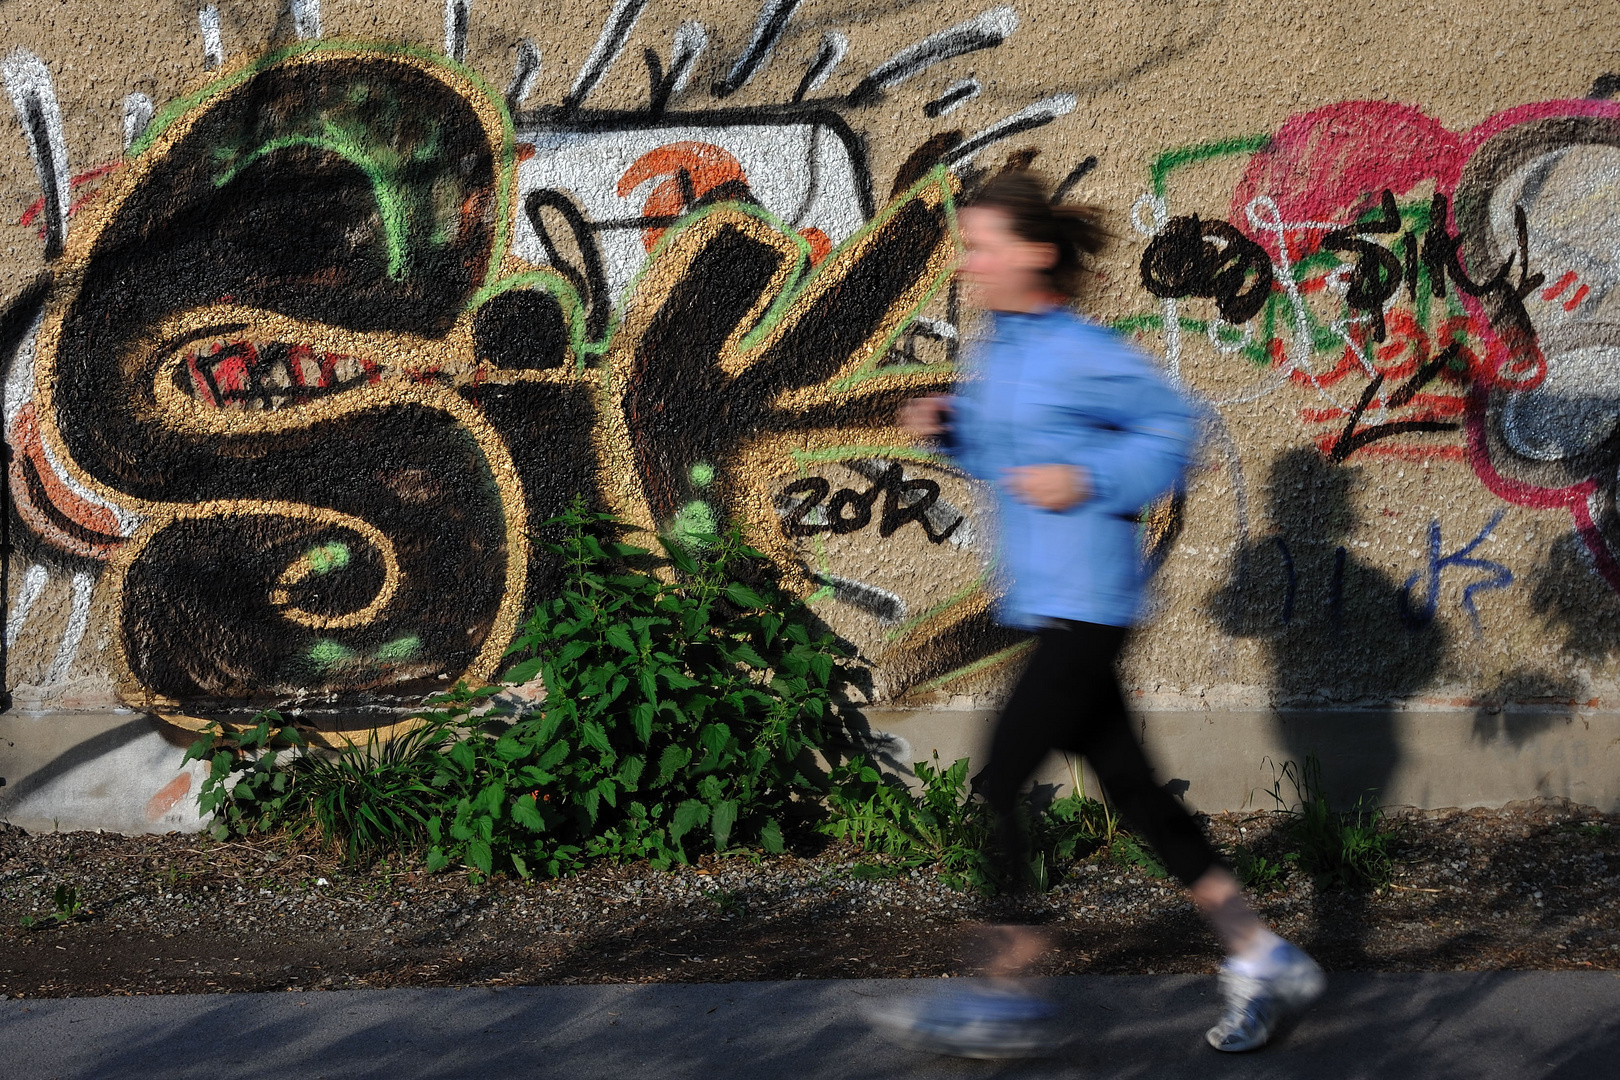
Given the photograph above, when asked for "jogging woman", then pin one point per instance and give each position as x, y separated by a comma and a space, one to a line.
1075, 432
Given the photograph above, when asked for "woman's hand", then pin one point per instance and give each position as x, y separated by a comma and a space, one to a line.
1049, 487
924, 416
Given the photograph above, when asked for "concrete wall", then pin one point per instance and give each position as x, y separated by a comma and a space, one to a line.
314, 310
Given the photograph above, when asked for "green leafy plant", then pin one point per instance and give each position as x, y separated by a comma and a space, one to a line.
1257, 872
1097, 822
1352, 848
1590, 830
1129, 851
676, 714
364, 799
249, 787
938, 825
379, 797
726, 902
66, 907
941, 825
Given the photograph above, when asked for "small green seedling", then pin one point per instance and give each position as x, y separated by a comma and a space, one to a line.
68, 908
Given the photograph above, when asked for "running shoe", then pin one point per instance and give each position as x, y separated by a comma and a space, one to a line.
1257, 1007
977, 1023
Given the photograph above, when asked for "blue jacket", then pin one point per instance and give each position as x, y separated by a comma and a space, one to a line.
1054, 388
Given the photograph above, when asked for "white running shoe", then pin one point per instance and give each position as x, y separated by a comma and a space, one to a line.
1258, 1006
978, 1023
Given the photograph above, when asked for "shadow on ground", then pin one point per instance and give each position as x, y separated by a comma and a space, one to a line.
1467, 1027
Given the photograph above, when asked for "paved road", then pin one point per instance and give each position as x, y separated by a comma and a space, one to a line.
1439, 1027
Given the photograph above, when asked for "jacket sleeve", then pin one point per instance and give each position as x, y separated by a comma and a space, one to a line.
1148, 430
957, 442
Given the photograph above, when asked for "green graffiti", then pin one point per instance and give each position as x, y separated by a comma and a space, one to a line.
327, 654
328, 557
1171, 160
399, 650
416, 193
692, 523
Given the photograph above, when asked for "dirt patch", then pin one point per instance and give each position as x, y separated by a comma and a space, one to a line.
1532, 885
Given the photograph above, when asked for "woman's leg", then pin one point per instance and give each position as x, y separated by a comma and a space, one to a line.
1266, 980
1026, 731
1102, 734
1028, 726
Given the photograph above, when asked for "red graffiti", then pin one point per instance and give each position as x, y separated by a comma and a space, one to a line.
1331, 166
58, 514
74, 183
241, 375
694, 172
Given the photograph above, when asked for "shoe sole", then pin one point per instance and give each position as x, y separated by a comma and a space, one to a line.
1304, 992
900, 1030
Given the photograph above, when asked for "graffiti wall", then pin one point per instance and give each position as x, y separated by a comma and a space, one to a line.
316, 311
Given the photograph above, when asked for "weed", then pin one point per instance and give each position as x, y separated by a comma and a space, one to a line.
675, 714
248, 787
940, 825
1127, 850
67, 907
1353, 848
727, 902
379, 798
1256, 872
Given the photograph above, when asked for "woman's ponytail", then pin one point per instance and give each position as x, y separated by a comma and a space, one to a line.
1076, 232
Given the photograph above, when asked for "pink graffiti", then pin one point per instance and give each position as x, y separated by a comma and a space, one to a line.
1332, 164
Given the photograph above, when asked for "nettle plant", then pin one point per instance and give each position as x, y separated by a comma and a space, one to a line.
677, 714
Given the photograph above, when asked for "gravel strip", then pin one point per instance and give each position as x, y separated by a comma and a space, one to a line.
1532, 885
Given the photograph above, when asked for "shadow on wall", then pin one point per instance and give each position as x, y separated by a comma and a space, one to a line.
1338, 632
1335, 629
1566, 591
1523, 704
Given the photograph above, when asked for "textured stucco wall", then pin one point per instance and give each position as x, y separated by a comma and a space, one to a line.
301, 359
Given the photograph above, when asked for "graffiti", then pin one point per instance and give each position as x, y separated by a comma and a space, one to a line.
268, 366
28, 82
213, 44
768, 28
1423, 613
307, 335
1355, 436
1189, 257
306, 16
955, 95
524, 75
615, 33
343, 326
1451, 282
707, 402
904, 501
984, 31
1335, 591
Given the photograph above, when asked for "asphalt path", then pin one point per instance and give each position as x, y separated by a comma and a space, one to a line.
1467, 1026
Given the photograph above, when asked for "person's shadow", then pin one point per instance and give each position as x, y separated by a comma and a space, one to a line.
1346, 645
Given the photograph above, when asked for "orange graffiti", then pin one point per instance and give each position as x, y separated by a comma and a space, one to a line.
52, 509
693, 169
168, 796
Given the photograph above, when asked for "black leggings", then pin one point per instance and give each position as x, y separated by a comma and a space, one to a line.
1069, 699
